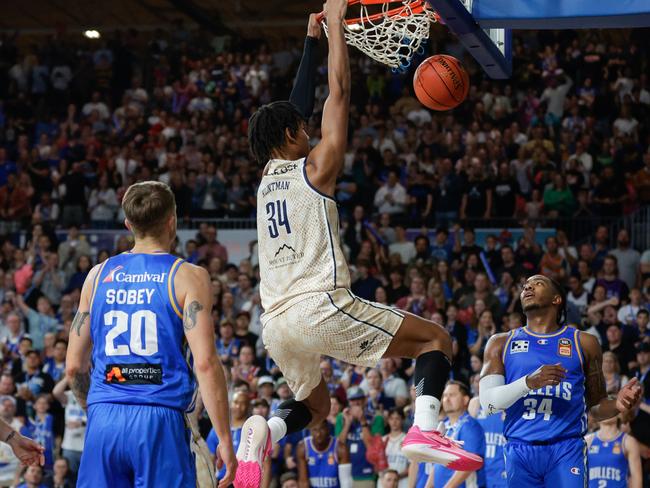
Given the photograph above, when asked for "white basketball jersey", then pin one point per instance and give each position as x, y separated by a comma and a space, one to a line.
298, 238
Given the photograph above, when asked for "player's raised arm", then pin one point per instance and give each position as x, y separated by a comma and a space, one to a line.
494, 393
193, 290
77, 361
326, 159
600, 406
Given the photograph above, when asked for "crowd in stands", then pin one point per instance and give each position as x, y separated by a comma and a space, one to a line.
565, 139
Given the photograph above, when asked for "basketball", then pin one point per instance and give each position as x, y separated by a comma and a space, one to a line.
441, 82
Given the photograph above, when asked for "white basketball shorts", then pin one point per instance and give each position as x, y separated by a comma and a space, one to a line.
336, 324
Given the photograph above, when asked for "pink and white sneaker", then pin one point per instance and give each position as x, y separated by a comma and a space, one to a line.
254, 447
433, 447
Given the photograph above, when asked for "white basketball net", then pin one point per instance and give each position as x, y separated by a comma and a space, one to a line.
394, 37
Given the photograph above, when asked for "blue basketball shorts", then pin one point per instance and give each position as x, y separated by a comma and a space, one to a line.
562, 464
136, 446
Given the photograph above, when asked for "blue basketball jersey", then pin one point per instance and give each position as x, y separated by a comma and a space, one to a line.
607, 463
323, 467
553, 412
139, 351
495, 467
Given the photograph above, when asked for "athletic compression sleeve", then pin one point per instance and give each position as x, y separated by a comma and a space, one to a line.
304, 87
495, 395
345, 475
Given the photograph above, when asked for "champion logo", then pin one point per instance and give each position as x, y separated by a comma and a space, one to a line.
575, 470
111, 275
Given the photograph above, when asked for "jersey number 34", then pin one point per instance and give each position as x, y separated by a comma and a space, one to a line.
545, 408
276, 214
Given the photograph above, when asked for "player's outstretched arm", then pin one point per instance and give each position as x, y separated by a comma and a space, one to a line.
600, 406
77, 361
304, 88
193, 291
29, 452
326, 159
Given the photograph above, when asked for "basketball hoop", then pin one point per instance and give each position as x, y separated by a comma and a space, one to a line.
391, 35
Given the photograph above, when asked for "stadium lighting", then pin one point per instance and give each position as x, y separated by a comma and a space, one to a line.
92, 34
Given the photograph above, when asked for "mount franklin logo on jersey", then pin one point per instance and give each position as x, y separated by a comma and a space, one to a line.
117, 275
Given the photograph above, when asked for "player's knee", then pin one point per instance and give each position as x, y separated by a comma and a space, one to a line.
440, 341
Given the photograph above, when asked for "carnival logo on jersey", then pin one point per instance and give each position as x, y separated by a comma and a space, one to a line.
564, 347
542, 342
616, 449
575, 471
111, 275
518, 346
118, 276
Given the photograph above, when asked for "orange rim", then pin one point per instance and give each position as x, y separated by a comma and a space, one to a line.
416, 7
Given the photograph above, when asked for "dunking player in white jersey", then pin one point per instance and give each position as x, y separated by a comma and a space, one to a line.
309, 309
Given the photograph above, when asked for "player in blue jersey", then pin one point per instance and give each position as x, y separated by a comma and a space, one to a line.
614, 457
323, 461
128, 360
495, 469
546, 376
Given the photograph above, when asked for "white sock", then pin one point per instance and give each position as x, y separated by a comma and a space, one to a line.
427, 408
278, 429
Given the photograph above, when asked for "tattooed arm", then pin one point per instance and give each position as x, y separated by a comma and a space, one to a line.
77, 361
600, 406
192, 285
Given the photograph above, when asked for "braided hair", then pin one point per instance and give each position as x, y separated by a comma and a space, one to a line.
561, 313
266, 128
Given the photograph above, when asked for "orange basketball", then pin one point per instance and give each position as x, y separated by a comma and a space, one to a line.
441, 82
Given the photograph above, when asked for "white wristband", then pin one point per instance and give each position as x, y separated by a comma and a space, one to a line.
495, 395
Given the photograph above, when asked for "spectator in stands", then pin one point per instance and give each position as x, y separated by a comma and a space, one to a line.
476, 202
623, 350
354, 428
627, 259
401, 245
552, 263
212, 248
614, 286
391, 198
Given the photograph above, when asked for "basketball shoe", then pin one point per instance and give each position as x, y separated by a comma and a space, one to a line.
432, 447
254, 447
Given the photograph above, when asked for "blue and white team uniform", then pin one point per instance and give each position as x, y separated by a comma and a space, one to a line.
141, 379
545, 429
495, 468
322, 466
607, 463
468, 430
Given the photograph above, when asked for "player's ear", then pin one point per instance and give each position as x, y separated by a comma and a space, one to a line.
289, 137
557, 300
127, 224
